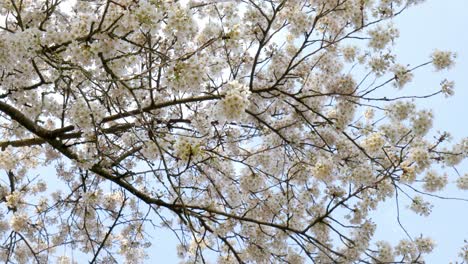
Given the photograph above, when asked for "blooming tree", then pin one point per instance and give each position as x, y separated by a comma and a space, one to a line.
258, 130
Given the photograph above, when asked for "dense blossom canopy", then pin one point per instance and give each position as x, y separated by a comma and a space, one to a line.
262, 131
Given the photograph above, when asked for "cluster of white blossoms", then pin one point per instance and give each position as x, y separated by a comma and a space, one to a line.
420, 206
443, 59
349, 53
14, 199
434, 182
19, 222
400, 110
7, 159
362, 175
422, 122
187, 149
251, 182
245, 127
382, 36
64, 260
323, 169
380, 63
402, 75
374, 142
344, 85
147, 15
424, 244
409, 172
462, 182
420, 156
447, 87
408, 250
369, 114
457, 153
188, 75
385, 252
235, 101
81, 114
464, 252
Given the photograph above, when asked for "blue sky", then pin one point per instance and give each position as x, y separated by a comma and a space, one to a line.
434, 24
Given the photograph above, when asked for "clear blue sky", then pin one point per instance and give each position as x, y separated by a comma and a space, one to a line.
435, 24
